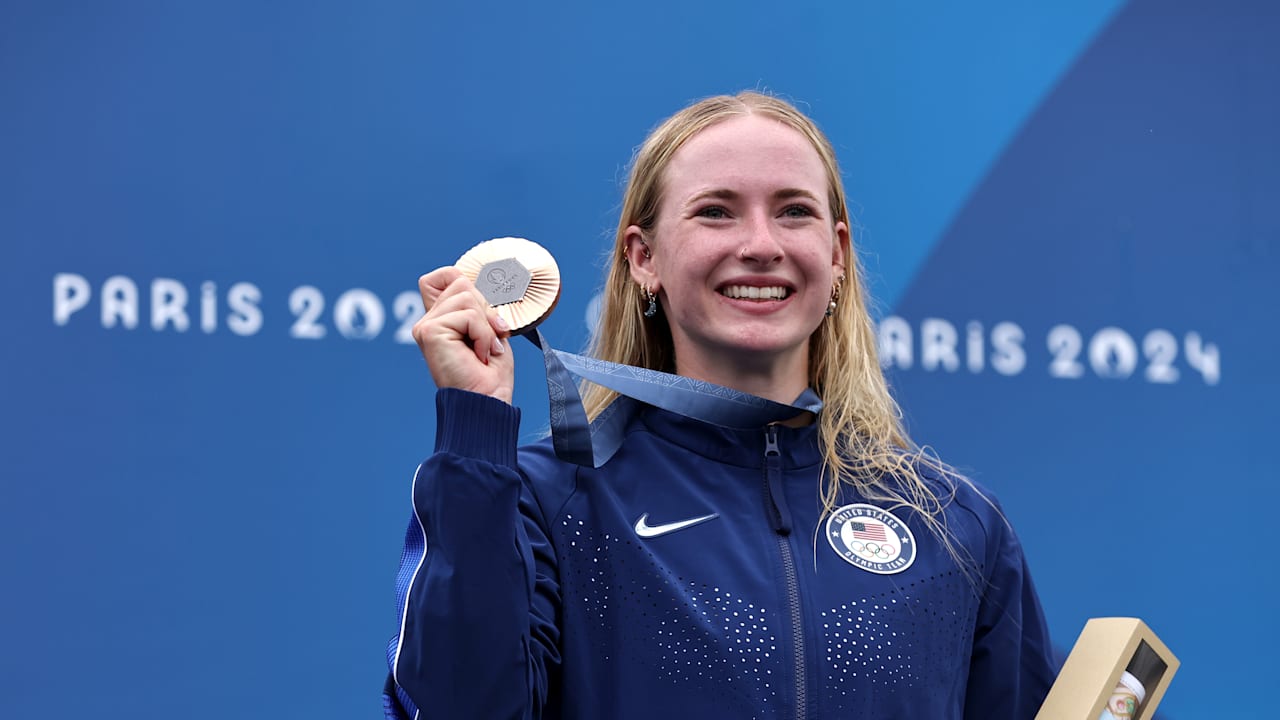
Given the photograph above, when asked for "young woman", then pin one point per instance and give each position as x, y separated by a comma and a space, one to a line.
817, 567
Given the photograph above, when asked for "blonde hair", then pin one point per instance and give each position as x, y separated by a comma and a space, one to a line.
863, 441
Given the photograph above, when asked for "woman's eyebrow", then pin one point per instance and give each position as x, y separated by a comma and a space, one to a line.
727, 194
788, 193
717, 193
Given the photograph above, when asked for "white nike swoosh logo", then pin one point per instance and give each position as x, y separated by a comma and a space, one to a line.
645, 530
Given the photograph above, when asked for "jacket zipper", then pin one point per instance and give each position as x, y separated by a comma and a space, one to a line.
780, 515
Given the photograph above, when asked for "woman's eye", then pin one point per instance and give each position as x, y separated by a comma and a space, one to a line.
797, 211
714, 212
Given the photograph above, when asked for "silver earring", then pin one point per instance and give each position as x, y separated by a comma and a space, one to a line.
835, 295
652, 308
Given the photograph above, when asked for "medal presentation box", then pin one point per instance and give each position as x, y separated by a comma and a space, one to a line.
1106, 648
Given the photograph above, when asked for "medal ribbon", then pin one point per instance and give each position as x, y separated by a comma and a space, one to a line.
592, 444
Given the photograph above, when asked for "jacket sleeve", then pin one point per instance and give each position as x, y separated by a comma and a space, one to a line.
1012, 666
477, 591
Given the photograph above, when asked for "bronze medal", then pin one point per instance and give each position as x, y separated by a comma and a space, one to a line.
518, 277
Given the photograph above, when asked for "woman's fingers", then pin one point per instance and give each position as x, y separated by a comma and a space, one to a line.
465, 311
461, 336
499, 325
436, 282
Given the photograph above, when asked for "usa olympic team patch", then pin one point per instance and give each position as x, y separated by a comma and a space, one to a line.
872, 539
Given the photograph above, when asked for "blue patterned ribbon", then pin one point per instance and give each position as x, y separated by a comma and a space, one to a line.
592, 444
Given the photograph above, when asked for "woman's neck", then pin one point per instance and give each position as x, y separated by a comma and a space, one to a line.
781, 382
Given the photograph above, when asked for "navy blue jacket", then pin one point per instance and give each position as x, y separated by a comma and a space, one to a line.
689, 578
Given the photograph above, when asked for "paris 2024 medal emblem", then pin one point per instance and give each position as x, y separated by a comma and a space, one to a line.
872, 539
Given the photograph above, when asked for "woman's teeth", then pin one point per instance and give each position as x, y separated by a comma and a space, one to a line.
750, 292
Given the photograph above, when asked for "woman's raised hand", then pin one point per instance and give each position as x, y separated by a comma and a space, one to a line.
462, 339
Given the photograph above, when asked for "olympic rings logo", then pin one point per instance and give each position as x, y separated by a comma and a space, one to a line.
879, 551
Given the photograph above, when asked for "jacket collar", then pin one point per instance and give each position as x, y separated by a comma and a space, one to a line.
798, 447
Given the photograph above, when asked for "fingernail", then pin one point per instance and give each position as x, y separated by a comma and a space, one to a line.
502, 324
497, 347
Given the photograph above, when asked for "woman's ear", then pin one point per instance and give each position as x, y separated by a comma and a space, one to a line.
840, 247
640, 258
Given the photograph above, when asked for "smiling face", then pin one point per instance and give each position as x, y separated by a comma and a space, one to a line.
744, 252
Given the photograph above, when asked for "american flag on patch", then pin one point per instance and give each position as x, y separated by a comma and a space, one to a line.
868, 531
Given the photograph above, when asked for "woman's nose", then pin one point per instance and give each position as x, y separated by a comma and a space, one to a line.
760, 244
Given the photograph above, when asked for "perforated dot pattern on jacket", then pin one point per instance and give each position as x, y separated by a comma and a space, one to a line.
710, 637
879, 641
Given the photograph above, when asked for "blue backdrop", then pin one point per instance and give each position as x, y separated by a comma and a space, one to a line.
214, 214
